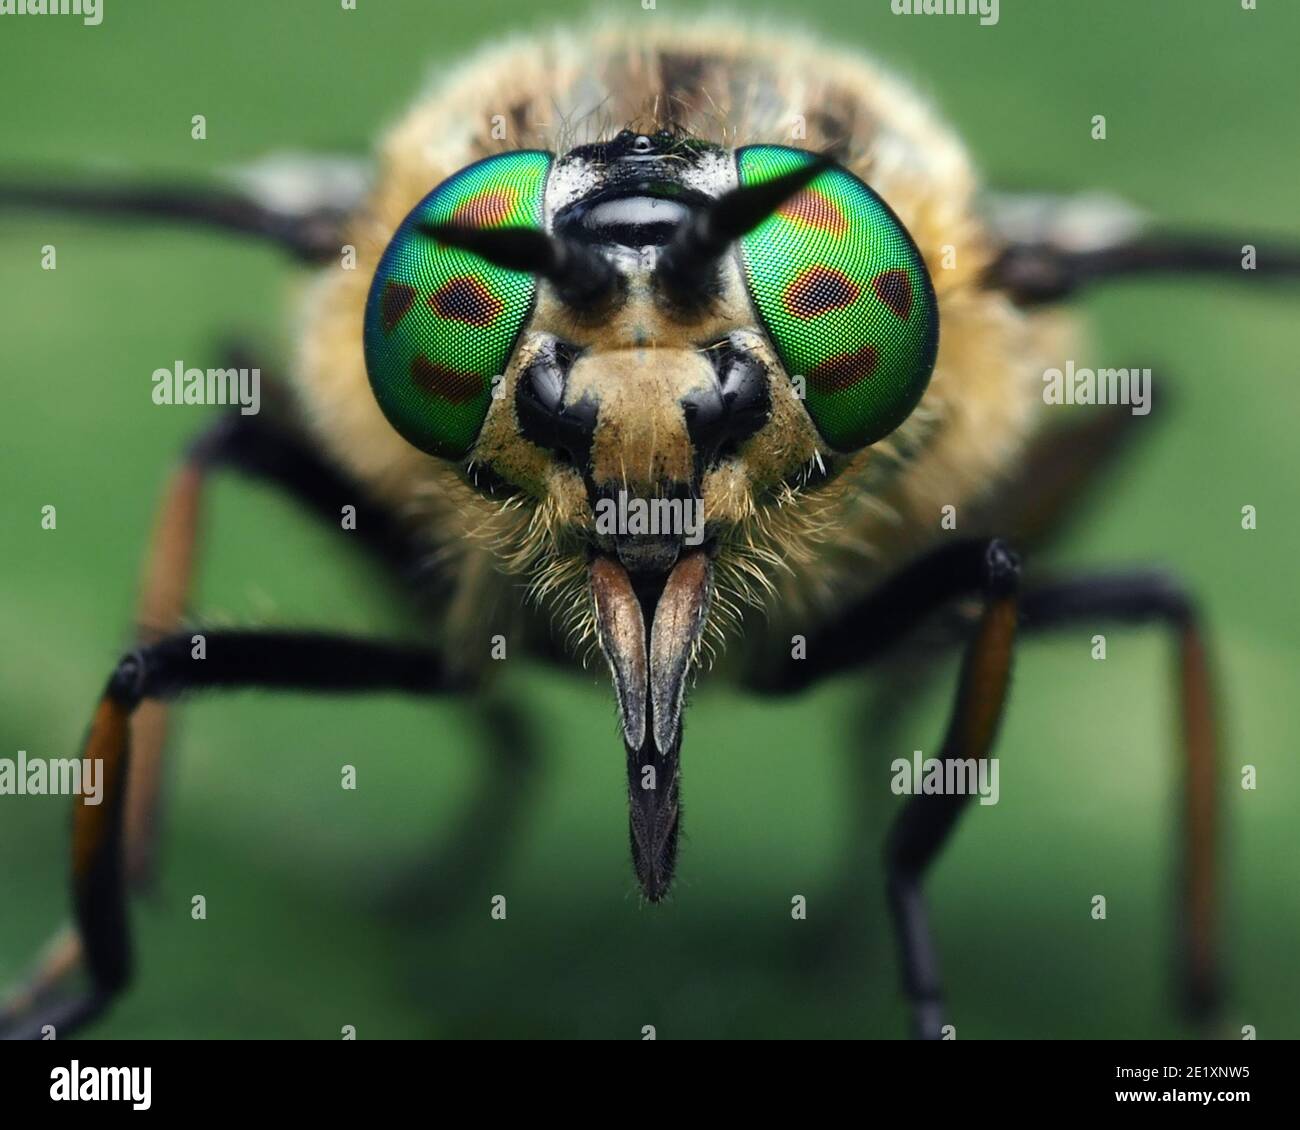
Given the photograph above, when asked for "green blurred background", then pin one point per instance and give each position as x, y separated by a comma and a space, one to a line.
328, 907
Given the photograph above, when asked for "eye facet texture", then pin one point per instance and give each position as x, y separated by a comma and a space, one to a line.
845, 297
440, 322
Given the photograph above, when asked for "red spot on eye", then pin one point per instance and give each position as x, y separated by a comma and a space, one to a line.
394, 304
894, 289
815, 209
439, 380
467, 300
835, 374
817, 290
487, 209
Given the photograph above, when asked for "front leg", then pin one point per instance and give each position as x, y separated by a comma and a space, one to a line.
872, 629
302, 661
273, 453
924, 825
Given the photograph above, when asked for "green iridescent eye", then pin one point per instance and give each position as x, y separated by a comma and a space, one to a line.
845, 297
441, 322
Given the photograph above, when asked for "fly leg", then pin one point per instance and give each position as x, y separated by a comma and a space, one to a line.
1142, 598
255, 447
300, 661
874, 628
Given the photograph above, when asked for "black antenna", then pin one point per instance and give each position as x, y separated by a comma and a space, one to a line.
584, 279
687, 266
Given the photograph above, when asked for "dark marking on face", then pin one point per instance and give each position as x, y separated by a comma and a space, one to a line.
519, 119
816, 210
466, 299
834, 133
487, 209
836, 118
828, 123
835, 374
894, 289
394, 304
817, 290
836, 129
681, 75
439, 380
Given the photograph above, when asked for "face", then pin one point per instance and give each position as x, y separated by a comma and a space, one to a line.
650, 341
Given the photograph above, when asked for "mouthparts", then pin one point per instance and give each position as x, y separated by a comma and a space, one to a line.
649, 631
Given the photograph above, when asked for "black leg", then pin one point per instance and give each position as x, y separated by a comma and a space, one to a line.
926, 822
271, 451
1147, 597
266, 450
269, 448
991, 572
865, 632
261, 447
300, 661
879, 624
312, 233
1034, 273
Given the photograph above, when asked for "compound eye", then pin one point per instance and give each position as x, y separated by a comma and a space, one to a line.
440, 322
844, 296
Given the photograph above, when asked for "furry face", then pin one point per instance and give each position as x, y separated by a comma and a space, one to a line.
702, 331
623, 317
